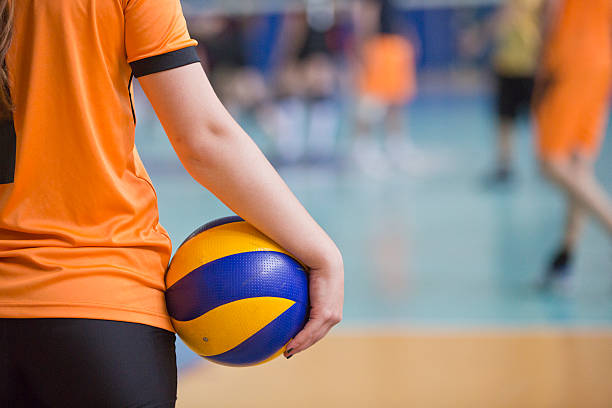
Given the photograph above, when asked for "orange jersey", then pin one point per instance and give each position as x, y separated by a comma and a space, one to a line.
79, 229
573, 88
579, 37
388, 70
571, 117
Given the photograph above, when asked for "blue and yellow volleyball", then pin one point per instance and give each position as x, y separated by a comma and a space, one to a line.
235, 297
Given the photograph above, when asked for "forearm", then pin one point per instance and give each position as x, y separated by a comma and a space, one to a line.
232, 167
222, 157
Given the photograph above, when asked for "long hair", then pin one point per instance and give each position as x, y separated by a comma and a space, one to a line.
6, 34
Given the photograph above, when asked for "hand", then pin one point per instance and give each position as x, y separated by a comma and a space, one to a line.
326, 299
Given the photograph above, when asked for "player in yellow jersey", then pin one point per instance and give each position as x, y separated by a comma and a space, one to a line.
571, 106
83, 321
517, 46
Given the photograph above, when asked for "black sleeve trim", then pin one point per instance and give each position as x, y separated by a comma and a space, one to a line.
164, 62
8, 151
131, 97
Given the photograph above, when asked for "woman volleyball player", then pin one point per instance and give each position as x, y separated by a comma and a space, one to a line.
82, 254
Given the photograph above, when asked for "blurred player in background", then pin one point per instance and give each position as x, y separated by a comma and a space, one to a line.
222, 48
386, 82
571, 107
517, 46
308, 83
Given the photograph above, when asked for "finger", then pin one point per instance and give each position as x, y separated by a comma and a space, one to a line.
313, 331
304, 339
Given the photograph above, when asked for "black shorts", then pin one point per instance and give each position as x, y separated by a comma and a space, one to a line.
85, 363
513, 95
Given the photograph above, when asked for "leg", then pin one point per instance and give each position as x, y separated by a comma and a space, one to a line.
322, 129
510, 96
582, 188
504, 146
97, 363
561, 262
286, 120
502, 172
583, 194
13, 390
583, 167
288, 131
574, 222
323, 125
398, 145
366, 149
395, 126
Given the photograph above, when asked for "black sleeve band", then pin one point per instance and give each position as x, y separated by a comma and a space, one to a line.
164, 62
8, 151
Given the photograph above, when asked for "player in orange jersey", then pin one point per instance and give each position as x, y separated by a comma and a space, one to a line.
83, 320
386, 82
571, 106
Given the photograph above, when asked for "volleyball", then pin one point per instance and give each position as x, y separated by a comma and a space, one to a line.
234, 296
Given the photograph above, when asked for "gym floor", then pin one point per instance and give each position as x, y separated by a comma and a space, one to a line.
441, 307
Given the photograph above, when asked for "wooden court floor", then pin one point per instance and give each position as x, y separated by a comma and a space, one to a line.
510, 368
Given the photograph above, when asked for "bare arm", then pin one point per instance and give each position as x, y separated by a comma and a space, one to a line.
223, 158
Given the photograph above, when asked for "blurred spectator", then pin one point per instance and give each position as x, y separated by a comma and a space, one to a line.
221, 40
308, 114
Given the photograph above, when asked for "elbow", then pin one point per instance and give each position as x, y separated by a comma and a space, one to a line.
203, 143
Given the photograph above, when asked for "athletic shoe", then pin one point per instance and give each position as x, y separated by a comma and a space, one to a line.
499, 177
559, 274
